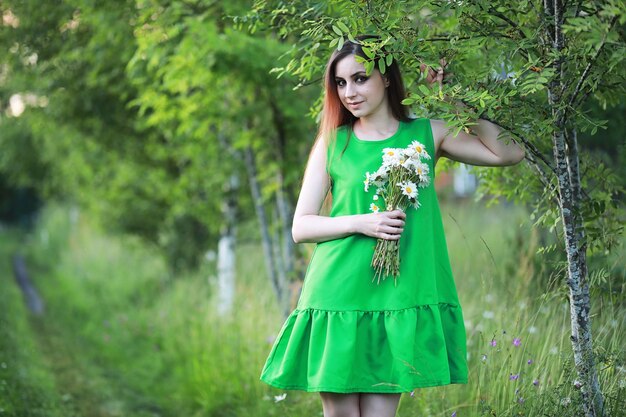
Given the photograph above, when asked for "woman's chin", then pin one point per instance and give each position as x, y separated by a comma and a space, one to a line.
357, 112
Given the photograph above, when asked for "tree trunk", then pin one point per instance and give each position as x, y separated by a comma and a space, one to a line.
283, 205
580, 302
277, 250
285, 214
568, 175
226, 249
270, 262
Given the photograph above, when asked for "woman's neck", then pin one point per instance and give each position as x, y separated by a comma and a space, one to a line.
377, 126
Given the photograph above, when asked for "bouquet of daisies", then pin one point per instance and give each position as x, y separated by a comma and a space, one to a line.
397, 182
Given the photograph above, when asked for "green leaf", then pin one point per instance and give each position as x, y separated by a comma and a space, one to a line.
381, 66
368, 52
337, 30
369, 67
343, 26
424, 89
339, 43
389, 59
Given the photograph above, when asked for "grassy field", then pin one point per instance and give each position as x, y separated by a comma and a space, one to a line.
121, 337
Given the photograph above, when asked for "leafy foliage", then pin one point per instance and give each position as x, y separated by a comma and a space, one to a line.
147, 107
503, 64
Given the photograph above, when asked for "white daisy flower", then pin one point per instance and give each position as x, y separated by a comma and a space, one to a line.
420, 150
421, 169
408, 151
391, 153
409, 189
391, 157
375, 196
374, 208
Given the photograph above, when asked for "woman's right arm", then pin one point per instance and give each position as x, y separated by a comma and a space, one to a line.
309, 226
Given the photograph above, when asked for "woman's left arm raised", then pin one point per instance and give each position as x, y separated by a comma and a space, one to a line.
482, 148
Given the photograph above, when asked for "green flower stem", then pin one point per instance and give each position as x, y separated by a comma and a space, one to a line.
386, 259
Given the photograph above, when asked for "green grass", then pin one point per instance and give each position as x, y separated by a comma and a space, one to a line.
27, 387
122, 337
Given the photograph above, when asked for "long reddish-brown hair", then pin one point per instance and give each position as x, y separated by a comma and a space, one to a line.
334, 114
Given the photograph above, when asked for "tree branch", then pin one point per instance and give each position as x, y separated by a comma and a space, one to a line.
532, 148
587, 70
494, 12
546, 181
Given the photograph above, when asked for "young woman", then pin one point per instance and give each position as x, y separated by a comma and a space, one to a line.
360, 343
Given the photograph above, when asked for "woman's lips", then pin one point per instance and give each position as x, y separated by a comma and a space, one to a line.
355, 104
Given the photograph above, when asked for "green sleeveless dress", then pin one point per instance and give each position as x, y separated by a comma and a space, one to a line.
350, 334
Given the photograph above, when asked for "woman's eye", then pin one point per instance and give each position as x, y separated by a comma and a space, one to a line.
361, 79
340, 83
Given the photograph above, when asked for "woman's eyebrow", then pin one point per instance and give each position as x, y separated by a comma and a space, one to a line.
353, 75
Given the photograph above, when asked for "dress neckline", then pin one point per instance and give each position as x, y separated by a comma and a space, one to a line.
389, 139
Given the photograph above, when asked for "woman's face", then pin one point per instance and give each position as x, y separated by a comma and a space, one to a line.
362, 95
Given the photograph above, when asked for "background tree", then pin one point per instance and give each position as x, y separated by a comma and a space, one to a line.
144, 112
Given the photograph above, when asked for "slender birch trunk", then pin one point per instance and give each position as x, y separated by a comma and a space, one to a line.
266, 241
277, 249
226, 259
285, 214
568, 175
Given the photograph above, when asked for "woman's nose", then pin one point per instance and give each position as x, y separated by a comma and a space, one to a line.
349, 91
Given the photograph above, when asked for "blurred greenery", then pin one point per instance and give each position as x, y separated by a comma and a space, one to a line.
119, 338
139, 112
